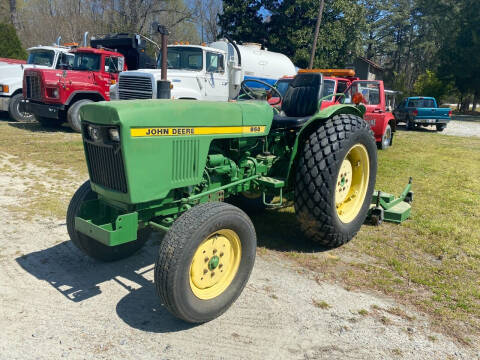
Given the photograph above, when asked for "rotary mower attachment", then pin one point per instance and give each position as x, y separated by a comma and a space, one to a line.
386, 207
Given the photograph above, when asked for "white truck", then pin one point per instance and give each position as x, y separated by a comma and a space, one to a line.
11, 76
212, 72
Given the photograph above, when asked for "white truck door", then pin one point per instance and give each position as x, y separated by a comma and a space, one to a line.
216, 78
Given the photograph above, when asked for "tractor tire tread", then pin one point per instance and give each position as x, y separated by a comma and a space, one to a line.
316, 174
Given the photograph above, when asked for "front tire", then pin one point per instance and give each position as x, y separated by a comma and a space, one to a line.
205, 261
386, 138
14, 110
73, 114
335, 180
92, 247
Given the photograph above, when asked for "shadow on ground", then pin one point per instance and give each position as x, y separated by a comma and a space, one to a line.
34, 126
78, 278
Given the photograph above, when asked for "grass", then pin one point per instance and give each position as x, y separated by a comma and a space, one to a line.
320, 304
431, 261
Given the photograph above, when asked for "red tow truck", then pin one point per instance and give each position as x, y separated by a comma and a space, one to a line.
55, 96
344, 81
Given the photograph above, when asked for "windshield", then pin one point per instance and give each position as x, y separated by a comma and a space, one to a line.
282, 86
86, 61
328, 88
421, 103
41, 57
183, 58
370, 91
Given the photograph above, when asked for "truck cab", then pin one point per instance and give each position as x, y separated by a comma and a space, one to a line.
377, 115
55, 95
11, 76
201, 72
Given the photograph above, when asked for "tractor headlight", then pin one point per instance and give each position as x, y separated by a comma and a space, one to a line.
93, 132
114, 134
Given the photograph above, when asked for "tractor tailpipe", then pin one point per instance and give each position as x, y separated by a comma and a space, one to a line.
163, 86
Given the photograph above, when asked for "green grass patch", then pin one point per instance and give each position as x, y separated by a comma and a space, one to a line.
432, 260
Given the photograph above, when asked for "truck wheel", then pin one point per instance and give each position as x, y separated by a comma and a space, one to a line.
92, 247
410, 124
73, 114
14, 110
335, 179
441, 127
204, 261
386, 138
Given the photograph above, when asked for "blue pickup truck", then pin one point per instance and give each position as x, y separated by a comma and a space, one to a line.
422, 111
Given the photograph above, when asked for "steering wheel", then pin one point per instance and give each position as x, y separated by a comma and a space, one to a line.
249, 92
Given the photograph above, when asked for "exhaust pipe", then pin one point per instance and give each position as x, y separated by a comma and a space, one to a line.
85, 36
163, 85
58, 40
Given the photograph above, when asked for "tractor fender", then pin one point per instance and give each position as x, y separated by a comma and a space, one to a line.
311, 124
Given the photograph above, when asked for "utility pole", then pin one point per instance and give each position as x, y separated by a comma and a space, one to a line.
315, 37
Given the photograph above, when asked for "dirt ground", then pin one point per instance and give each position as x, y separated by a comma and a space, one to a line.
57, 303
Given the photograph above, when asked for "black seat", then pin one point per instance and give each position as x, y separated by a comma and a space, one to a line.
300, 101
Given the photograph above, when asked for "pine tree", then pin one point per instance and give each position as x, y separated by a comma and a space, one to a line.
10, 45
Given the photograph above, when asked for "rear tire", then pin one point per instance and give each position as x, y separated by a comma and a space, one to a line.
337, 160
196, 281
73, 114
92, 247
410, 124
14, 110
441, 127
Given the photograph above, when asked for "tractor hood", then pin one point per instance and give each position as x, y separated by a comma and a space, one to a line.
163, 144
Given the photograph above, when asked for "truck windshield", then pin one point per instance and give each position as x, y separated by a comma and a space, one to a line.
86, 61
183, 58
421, 103
282, 86
328, 88
41, 57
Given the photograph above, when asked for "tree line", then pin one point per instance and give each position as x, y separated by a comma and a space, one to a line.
426, 47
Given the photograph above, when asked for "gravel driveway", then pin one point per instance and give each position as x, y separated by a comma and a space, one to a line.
55, 303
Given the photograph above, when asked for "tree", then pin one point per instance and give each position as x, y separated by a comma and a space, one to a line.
428, 84
242, 21
10, 45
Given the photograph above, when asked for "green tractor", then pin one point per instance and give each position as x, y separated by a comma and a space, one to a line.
178, 166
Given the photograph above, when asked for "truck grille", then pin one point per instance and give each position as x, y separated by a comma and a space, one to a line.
106, 166
134, 87
34, 91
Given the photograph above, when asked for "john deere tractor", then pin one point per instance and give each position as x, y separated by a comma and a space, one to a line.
177, 166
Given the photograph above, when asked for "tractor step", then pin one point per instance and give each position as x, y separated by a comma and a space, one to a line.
270, 183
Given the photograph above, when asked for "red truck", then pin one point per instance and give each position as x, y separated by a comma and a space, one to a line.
55, 96
377, 115
337, 81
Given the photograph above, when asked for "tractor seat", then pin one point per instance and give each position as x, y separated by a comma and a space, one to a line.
300, 101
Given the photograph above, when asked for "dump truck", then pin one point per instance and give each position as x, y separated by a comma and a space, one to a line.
177, 166
55, 96
11, 75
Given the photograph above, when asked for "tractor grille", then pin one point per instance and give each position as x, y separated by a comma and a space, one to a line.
34, 91
106, 166
135, 87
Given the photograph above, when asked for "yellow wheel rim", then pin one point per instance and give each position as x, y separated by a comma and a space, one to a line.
352, 183
215, 264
